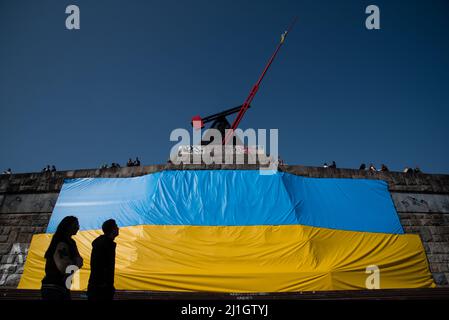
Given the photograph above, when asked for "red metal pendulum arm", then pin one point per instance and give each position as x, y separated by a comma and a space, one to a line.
255, 88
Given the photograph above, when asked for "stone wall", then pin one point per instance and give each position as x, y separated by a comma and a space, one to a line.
428, 215
27, 200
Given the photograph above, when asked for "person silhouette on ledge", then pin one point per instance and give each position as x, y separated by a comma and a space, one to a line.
102, 264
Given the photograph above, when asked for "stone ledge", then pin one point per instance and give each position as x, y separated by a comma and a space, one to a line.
52, 181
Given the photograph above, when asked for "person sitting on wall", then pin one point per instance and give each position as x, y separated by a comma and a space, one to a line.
408, 170
280, 161
53, 168
130, 163
384, 168
137, 162
8, 171
102, 263
362, 167
113, 165
60, 255
372, 168
333, 165
325, 165
417, 170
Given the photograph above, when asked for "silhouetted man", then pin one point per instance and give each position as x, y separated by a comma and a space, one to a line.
102, 263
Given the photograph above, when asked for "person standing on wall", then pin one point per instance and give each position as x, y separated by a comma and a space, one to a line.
102, 263
60, 255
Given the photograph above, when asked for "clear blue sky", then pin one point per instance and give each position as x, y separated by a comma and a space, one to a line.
138, 69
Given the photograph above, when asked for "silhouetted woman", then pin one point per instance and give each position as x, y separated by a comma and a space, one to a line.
61, 254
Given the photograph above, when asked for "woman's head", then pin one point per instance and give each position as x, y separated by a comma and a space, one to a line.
68, 227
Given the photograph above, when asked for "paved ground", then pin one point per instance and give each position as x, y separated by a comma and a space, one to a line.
390, 294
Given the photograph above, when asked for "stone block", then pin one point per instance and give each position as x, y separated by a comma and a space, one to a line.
412, 229
4, 248
4, 183
438, 247
13, 236
441, 238
406, 222
439, 230
8, 268
86, 173
426, 235
41, 223
439, 267
431, 222
40, 229
7, 258
11, 219
439, 258
421, 203
24, 237
3, 238
405, 215
27, 229
29, 203
417, 222
53, 184
19, 269
5, 230
12, 280
20, 249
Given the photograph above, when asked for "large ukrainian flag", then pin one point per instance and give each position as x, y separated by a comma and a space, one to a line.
238, 231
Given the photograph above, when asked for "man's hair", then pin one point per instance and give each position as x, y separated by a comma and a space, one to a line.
108, 226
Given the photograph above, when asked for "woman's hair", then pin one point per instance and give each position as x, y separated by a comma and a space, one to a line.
62, 233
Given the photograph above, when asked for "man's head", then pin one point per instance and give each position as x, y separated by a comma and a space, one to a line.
110, 228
